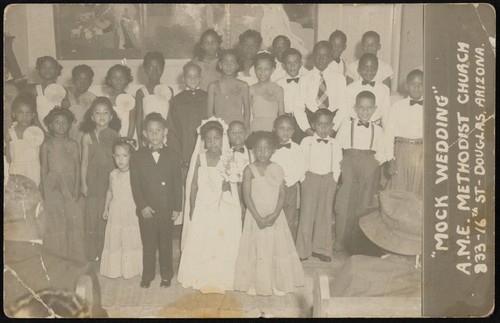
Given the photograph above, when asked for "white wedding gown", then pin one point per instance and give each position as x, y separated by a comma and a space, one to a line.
209, 255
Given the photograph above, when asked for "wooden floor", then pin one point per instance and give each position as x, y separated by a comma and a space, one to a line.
124, 298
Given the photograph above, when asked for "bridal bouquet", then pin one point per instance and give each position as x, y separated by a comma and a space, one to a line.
231, 168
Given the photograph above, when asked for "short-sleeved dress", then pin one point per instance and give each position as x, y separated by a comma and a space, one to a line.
64, 234
229, 104
267, 258
25, 153
122, 253
264, 106
209, 72
101, 163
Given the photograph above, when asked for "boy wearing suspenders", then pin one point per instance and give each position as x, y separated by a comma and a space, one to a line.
363, 147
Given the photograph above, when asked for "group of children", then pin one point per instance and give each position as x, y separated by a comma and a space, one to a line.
112, 169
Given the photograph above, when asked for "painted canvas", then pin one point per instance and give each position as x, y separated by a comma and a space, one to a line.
98, 31
113, 31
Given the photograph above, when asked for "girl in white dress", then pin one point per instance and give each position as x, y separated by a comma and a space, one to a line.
48, 93
117, 79
212, 217
154, 96
122, 253
23, 139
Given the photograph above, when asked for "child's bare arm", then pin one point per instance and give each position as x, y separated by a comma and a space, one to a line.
279, 206
76, 192
109, 197
44, 159
194, 188
281, 104
132, 119
210, 100
139, 116
247, 195
85, 163
246, 106
387, 82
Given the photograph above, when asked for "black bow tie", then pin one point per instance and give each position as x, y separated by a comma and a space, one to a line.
322, 140
241, 150
336, 60
155, 150
294, 79
372, 83
413, 102
364, 124
288, 145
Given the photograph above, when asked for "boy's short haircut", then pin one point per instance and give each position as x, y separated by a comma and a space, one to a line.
366, 57
286, 39
291, 51
83, 68
250, 33
235, 122
366, 95
281, 118
151, 56
322, 43
371, 33
338, 33
413, 74
322, 112
154, 116
189, 65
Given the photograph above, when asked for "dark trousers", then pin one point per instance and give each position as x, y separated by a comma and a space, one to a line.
356, 197
156, 234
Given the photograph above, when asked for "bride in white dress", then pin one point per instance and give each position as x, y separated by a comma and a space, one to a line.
212, 216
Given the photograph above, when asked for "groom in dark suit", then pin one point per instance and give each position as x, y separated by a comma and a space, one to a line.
155, 176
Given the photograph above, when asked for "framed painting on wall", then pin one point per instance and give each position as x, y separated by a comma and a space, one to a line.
98, 31
116, 31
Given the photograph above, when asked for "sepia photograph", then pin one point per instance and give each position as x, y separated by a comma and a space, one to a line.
243, 160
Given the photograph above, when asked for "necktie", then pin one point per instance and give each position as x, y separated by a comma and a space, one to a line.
413, 102
372, 83
325, 141
288, 145
337, 60
364, 124
293, 79
241, 150
322, 97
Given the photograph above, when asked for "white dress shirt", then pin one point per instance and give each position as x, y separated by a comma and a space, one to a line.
384, 71
289, 159
382, 99
354, 136
291, 91
404, 121
339, 67
251, 80
246, 156
319, 157
309, 85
